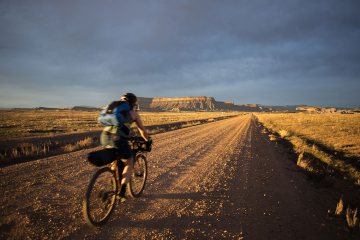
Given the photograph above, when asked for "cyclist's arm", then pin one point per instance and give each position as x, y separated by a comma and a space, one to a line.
140, 126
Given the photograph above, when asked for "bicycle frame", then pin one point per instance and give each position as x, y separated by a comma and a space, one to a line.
119, 168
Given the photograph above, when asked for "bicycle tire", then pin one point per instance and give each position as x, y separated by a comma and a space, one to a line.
106, 180
139, 175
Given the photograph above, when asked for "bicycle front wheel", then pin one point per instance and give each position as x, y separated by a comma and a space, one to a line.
139, 175
100, 197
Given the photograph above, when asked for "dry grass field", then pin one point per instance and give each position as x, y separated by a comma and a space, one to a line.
333, 140
30, 134
30, 123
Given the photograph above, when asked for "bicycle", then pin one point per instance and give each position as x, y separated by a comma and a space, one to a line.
104, 186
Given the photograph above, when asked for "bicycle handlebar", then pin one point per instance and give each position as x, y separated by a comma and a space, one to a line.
139, 143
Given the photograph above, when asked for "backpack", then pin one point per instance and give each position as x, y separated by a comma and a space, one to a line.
114, 114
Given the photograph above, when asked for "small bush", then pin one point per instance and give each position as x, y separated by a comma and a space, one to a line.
351, 217
272, 137
86, 142
339, 207
26, 149
284, 134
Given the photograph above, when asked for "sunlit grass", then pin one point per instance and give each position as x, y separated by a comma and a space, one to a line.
86, 142
332, 138
20, 124
28, 123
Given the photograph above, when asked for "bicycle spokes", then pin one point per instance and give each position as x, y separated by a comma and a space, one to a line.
138, 178
100, 197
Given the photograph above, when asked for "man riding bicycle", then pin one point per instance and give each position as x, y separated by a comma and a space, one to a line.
117, 136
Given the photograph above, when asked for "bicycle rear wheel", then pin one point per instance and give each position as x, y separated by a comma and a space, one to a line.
100, 197
139, 175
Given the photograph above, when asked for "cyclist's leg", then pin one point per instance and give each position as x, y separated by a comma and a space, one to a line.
126, 174
125, 153
118, 166
114, 165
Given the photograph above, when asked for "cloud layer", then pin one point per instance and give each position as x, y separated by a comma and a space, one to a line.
64, 53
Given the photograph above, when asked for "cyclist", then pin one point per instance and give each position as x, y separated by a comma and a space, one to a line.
118, 136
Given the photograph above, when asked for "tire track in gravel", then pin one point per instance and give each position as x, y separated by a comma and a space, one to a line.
185, 151
173, 195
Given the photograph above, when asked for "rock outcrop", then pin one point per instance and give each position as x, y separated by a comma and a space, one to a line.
316, 109
145, 103
185, 103
200, 103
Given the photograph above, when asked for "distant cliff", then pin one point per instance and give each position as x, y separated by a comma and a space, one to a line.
317, 109
199, 103
184, 103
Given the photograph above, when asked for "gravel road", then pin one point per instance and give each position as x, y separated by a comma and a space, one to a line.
221, 180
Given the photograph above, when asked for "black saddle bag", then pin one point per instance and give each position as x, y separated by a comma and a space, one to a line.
102, 157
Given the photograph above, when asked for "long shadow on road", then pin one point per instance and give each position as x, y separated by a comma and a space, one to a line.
205, 215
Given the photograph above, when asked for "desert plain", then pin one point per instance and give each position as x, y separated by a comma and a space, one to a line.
212, 175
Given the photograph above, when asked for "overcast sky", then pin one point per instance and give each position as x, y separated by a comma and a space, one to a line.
68, 52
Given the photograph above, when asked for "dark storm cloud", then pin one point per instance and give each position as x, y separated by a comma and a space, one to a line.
270, 52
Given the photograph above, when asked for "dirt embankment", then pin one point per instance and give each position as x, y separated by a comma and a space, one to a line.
222, 180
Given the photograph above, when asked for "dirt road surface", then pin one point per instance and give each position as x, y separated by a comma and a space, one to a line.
221, 180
